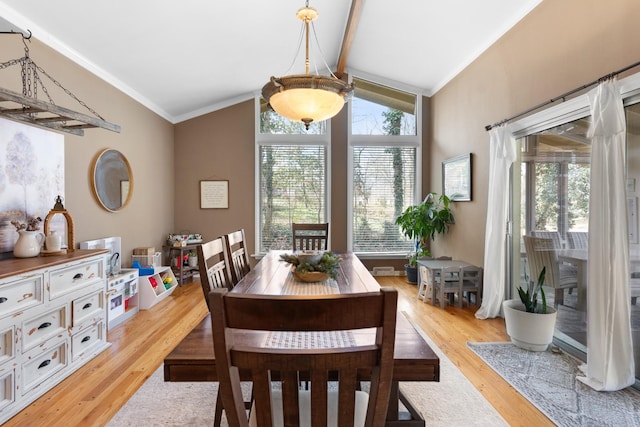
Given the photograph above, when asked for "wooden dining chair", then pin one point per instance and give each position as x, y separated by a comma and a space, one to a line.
310, 237
215, 273
213, 266
276, 368
238, 255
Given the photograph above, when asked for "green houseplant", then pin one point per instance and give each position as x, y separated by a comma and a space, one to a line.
530, 323
422, 222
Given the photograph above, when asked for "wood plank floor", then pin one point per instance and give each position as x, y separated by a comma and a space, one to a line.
94, 393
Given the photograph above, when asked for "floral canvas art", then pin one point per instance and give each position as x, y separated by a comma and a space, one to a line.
31, 176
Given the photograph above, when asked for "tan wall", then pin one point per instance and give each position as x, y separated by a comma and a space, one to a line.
146, 140
216, 146
560, 45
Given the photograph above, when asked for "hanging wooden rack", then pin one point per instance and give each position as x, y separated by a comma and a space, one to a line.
26, 108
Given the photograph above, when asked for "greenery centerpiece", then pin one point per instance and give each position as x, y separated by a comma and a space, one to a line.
313, 267
423, 222
530, 323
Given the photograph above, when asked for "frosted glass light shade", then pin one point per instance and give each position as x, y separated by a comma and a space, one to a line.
306, 98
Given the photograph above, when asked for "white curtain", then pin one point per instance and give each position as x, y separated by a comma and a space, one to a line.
501, 156
610, 364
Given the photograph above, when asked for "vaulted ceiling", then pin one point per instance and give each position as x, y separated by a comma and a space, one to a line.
185, 58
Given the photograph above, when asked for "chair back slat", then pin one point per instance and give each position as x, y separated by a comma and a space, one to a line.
310, 237
288, 365
238, 255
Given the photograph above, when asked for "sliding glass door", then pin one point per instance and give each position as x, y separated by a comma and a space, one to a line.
550, 206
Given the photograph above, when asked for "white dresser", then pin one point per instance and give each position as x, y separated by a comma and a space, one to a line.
53, 319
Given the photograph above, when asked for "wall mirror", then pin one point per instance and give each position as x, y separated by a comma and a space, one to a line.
112, 180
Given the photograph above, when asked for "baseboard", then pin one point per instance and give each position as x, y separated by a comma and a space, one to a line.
386, 271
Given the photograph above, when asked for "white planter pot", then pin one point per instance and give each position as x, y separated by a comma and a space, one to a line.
530, 331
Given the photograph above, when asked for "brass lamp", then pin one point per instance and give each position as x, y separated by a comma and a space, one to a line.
306, 97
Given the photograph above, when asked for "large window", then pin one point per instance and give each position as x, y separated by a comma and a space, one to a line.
292, 177
384, 166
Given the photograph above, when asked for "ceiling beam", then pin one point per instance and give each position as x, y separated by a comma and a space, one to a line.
349, 34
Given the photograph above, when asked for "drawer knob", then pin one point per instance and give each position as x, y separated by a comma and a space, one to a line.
2, 299
87, 305
78, 276
85, 339
45, 363
44, 325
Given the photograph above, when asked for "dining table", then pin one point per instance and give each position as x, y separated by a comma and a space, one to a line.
193, 359
579, 258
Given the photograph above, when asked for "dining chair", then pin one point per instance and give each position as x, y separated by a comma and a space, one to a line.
310, 237
276, 366
215, 273
471, 283
213, 266
578, 239
238, 255
446, 285
553, 235
542, 253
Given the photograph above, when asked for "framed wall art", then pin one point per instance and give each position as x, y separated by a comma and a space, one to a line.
214, 194
456, 178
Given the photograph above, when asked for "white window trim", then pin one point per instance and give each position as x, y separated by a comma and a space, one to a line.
414, 141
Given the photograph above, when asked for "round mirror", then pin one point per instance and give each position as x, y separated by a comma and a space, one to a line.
112, 180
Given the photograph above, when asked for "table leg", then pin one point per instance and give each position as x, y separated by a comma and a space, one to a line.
397, 418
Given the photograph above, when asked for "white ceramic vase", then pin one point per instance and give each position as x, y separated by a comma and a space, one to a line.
28, 244
530, 331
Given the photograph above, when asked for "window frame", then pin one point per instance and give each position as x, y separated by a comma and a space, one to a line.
411, 141
292, 140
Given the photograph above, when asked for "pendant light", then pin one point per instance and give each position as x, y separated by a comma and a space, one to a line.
307, 97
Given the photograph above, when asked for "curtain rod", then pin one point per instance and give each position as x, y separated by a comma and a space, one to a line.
563, 96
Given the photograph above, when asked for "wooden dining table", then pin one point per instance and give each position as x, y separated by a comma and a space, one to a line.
193, 358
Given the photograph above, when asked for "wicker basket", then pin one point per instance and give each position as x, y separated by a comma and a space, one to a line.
309, 276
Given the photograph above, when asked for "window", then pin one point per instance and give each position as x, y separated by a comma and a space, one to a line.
292, 177
384, 165
272, 123
381, 110
383, 186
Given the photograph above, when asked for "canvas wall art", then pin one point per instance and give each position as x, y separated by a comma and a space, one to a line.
31, 176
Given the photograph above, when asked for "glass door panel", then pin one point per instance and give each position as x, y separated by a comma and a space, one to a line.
551, 200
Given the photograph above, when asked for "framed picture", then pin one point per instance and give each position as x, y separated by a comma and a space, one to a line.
456, 178
214, 194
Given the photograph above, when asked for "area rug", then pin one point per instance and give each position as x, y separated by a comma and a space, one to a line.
548, 380
159, 403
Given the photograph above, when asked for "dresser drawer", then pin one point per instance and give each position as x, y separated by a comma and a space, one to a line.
7, 387
20, 295
7, 344
43, 327
41, 363
87, 340
78, 276
85, 307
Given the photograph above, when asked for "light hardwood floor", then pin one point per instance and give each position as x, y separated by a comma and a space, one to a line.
94, 393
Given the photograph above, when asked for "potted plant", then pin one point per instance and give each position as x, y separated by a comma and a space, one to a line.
530, 325
423, 222
192, 259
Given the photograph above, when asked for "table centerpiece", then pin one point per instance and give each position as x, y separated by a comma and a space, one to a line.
312, 266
